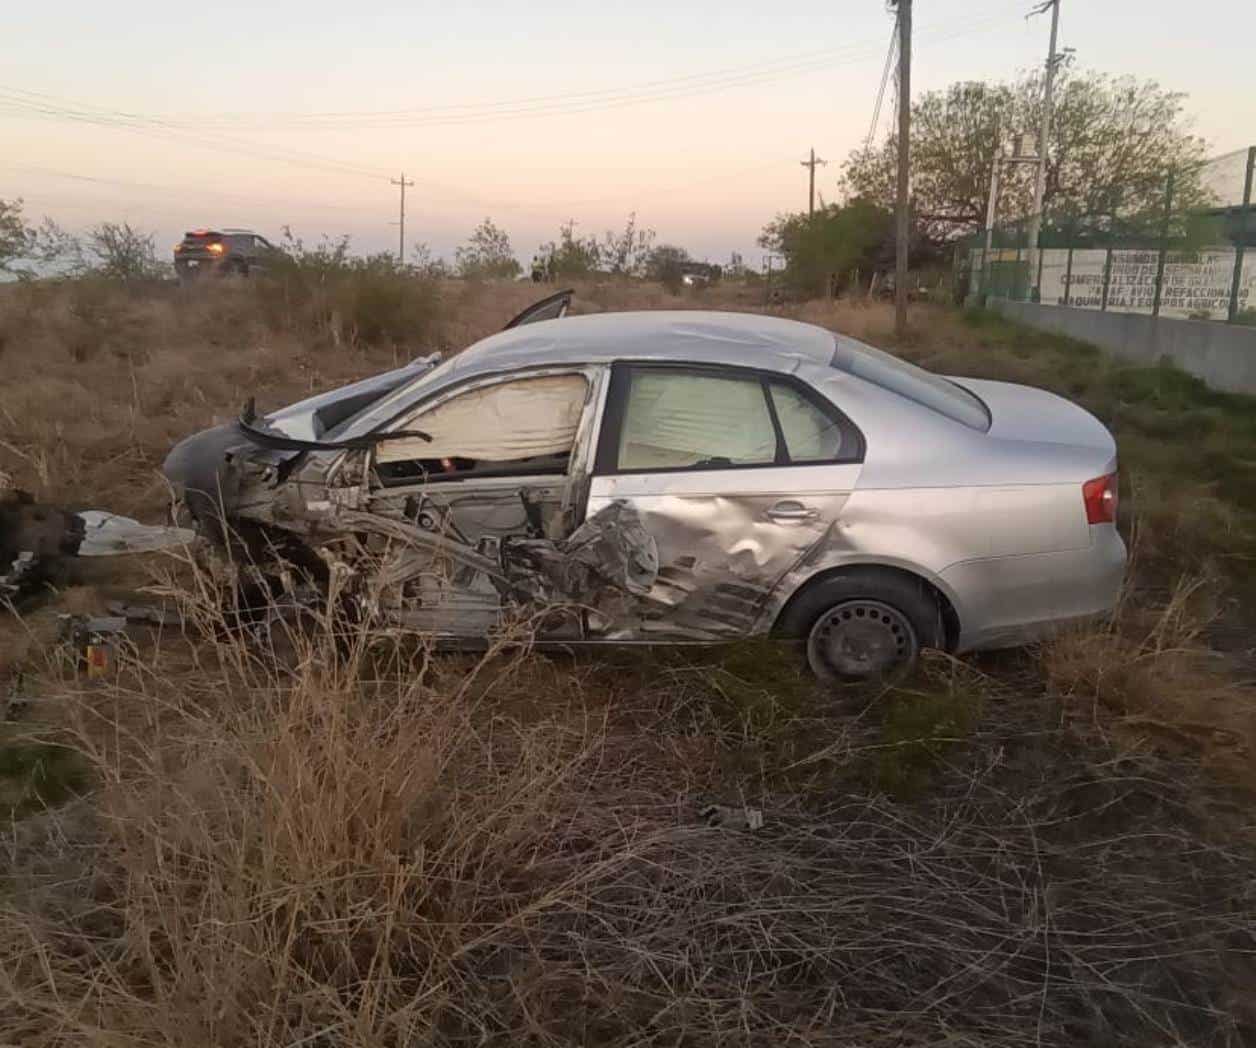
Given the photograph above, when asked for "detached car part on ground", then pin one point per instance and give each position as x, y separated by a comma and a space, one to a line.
35, 537
681, 477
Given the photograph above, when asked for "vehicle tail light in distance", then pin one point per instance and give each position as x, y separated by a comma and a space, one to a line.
214, 249
1100, 496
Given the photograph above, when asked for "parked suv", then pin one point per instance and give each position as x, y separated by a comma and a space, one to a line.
231, 251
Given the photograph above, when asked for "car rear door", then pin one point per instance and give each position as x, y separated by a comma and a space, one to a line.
737, 474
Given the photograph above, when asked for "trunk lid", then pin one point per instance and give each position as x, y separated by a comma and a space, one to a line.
1034, 416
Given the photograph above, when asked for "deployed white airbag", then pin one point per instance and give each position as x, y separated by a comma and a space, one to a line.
503, 422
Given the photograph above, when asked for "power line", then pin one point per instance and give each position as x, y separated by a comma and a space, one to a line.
471, 113
885, 78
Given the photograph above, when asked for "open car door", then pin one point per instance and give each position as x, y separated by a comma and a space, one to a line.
553, 307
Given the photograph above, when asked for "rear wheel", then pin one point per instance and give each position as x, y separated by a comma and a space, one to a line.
868, 625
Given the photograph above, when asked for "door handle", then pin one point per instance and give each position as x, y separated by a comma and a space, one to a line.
790, 509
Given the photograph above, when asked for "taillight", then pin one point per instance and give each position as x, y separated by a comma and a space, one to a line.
1100, 497
214, 249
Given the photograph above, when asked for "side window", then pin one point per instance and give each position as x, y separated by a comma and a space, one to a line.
690, 420
810, 434
523, 426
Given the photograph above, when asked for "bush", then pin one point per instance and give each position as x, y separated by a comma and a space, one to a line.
326, 292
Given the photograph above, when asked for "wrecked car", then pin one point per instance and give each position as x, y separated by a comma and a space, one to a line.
678, 477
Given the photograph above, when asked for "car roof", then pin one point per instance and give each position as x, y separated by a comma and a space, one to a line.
688, 336
694, 336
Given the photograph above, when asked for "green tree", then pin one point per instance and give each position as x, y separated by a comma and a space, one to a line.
118, 252
1113, 139
666, 264
487, 254
626, 253
826, 246
14, 236
571, 255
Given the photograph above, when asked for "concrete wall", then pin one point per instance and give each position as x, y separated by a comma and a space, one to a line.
1223, 355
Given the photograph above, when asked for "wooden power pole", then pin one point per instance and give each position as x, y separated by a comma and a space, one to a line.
401, 239
811, 191
904, 171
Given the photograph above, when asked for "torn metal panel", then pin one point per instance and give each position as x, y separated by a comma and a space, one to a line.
611, 551
721, 556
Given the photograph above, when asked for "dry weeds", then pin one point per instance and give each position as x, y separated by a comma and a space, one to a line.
352, 840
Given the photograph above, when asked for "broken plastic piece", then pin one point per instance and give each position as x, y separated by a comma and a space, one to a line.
107, 534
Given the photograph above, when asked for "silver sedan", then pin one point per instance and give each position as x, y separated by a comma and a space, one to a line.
678, 477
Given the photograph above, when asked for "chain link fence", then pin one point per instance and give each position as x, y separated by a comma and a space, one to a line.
1191, 256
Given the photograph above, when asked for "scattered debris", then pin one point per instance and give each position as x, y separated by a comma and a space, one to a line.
94, 641
729, 818
106, 534
20, 576
33, 537
151, 613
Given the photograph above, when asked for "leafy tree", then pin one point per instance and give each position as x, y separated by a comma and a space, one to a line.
426, 264
572, 255
118, 252
26, 250
14, 235
666, 264
826, 246
487, 254
626, 253
1113, 139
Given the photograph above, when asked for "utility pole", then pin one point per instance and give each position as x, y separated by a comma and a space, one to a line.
991, 211
904, 158
811, 193
1040, 180
401, 240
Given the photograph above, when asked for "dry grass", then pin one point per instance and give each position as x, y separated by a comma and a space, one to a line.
365, 843
376, 850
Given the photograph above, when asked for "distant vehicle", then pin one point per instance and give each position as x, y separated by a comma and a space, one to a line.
675, 477
222, 252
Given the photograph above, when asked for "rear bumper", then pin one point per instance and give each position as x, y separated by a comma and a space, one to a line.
189, 267
1006, 601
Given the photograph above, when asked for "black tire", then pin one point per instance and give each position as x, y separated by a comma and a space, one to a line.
864, 625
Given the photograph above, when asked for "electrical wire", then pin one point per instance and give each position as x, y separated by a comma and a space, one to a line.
885, 77
457, 114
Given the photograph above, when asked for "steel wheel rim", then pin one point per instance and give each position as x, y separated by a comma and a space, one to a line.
860, 639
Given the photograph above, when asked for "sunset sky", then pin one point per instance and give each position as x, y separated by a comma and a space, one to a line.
172, 116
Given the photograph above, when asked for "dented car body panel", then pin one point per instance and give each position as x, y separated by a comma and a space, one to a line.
669, 477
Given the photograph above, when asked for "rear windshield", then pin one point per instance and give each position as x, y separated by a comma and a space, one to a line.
889, 372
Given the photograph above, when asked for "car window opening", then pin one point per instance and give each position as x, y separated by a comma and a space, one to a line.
907, 380
526, 426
